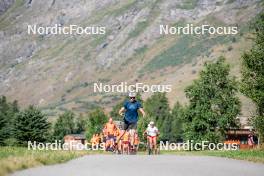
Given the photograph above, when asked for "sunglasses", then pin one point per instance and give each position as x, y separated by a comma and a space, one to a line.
132, 97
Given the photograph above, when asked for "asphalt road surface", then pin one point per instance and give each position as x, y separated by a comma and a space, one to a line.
143, 165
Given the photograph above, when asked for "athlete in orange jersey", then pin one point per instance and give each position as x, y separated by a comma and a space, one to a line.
136, 142
104, 137
116, 134
97, 139
93, 140
126, 142
110, 128
119, 141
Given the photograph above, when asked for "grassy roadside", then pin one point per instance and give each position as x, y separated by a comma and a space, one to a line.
248, 155
17, 158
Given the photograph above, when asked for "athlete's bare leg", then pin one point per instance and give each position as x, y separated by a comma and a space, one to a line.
132, 139
154, 140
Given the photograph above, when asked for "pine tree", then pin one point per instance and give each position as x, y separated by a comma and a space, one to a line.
3, 128
166, 129
31, 125
3, 119
176, 125
7, 114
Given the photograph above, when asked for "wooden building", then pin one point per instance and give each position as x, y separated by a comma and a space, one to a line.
74, 140
245, 138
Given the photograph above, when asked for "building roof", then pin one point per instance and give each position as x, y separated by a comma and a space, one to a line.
240, 132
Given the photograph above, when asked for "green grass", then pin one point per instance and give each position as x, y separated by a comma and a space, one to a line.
77, 86
17, 158
213, 21
188, 4
140, 27
230, 1
4, 19
117, 10
141, 51
248, 155
189, 47
112, 10
85, 106
123, 9
99, 39
139, 54
184, 50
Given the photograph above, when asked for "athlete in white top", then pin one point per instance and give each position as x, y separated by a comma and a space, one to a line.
152, 130
152, 133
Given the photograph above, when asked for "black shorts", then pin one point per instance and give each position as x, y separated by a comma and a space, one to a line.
129, 125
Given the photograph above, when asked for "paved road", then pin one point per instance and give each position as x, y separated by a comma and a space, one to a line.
142, 165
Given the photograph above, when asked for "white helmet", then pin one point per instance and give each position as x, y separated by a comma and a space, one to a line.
132, 94
151, 123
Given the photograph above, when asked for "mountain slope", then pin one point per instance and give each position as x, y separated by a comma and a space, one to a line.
57, 72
